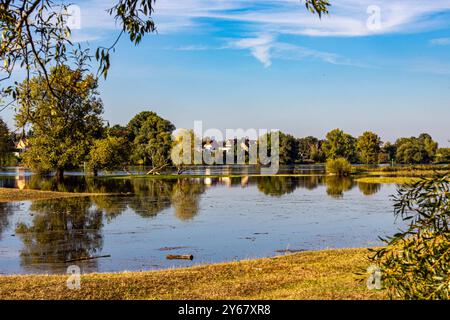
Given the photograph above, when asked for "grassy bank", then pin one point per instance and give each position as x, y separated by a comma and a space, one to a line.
11, 195
417, 171
327, 274
388, 180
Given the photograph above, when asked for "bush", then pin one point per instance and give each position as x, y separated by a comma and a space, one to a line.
108, 153
415, 263
339, 167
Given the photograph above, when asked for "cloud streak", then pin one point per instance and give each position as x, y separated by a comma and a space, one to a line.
267, 20
440, 42
259, 47
347, 17
265, 48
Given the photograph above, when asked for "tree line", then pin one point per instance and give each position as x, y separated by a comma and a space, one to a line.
365, 149
66, 132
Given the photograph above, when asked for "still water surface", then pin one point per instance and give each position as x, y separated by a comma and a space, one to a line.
215, 219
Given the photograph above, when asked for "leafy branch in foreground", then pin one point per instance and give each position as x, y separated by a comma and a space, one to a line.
318, 7
415, 263
35, 37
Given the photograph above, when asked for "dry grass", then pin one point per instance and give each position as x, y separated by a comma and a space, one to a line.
408, 173
327, 274
11, 195
388, 180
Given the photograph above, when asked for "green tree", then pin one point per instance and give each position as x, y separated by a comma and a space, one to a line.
339, 145
429, 145
151, 139
288, 149
443, 155
388, 153
63, 130
369, 147
310, 150
5, 142
185, 149
411, 152
119, 131
416, 150
108, 154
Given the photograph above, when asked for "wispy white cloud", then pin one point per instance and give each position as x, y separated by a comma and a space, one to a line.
259, 47
265, 48
268, 20
440, 42
347, 17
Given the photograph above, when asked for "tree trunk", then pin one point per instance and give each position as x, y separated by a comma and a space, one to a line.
59, 174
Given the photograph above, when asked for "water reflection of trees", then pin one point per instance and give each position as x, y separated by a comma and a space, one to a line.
61, 230
310, 182
369, 189
151, 196
79, 184
336, 186
6, 210
186, 198
278, 186
111, 206
146, 197
71, 228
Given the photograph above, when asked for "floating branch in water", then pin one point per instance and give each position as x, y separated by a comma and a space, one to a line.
88, 258
180, 257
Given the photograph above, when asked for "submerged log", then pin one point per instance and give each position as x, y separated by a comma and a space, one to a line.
290, 251
180, 257
88, 258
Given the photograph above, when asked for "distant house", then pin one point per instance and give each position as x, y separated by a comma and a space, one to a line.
21, 146
228, 146
211, 145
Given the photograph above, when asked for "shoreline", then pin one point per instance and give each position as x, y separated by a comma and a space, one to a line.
325, 274
17, 195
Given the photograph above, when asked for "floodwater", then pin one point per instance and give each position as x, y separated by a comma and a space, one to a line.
214, 219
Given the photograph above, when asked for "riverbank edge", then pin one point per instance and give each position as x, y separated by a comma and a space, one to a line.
16, 195
312, 275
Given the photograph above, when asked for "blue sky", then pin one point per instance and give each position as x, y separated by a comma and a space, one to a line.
270, 64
